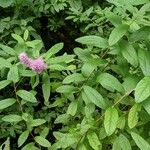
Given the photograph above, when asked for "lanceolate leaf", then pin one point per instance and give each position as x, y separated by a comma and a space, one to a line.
93, 40
6, 102
113, 18
142, 90
141, 34
95, 97
110, 120
27, 96
53, 50
140, 142
42, 141
4, 83
7, 49
72, 109
6, 3
12, 118
117, 34
133, 115
76, 77
23, 137
129, 53
110, 82
37, 122
46, 87
4, 63
144, 61
94, 141
146, 105
13, 74
124, 142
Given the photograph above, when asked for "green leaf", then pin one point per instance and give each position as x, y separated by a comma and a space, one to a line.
4, 63
121, 143
12, 118
6, 145
33, 43
128, 2
124, 142
94, 141
84, 55
110, 82
42, 141
142, 90
76, 77
26, 35
82, 147
60, 59
44, 132
110, 120
27, 96
129, 53
140, 142
72, 109
6, 3
67, 89
133, 115
13, 74
30, 146
94, 96
27, 73
130, 83
23, 137
141, 34
144, 61
65, 140
46, 87
116, 145
6, 103
53, 50
93, 40
37, 122
8, 49
146, 105
92, 64
113, 18
4, 83
35, 81
18, 38
117, 34
64, 118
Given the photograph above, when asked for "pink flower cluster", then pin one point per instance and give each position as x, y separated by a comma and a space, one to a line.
37, 65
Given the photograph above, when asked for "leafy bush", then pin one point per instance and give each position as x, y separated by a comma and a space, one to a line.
75, 74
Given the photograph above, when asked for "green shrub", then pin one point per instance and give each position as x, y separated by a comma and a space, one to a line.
94, 91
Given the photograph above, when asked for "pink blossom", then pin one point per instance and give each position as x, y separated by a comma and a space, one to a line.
24, 59
37, 65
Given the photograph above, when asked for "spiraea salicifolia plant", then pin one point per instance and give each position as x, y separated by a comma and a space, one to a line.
95, 96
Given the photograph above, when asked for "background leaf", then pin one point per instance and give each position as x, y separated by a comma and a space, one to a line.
133, 115
142, 90
27, 96
110, 82
140, 142
93, 40
7, 102
110, 120
42, 141
117, 34
23, 137
12, 118
94, 96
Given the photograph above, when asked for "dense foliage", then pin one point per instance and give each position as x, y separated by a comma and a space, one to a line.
94, 90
